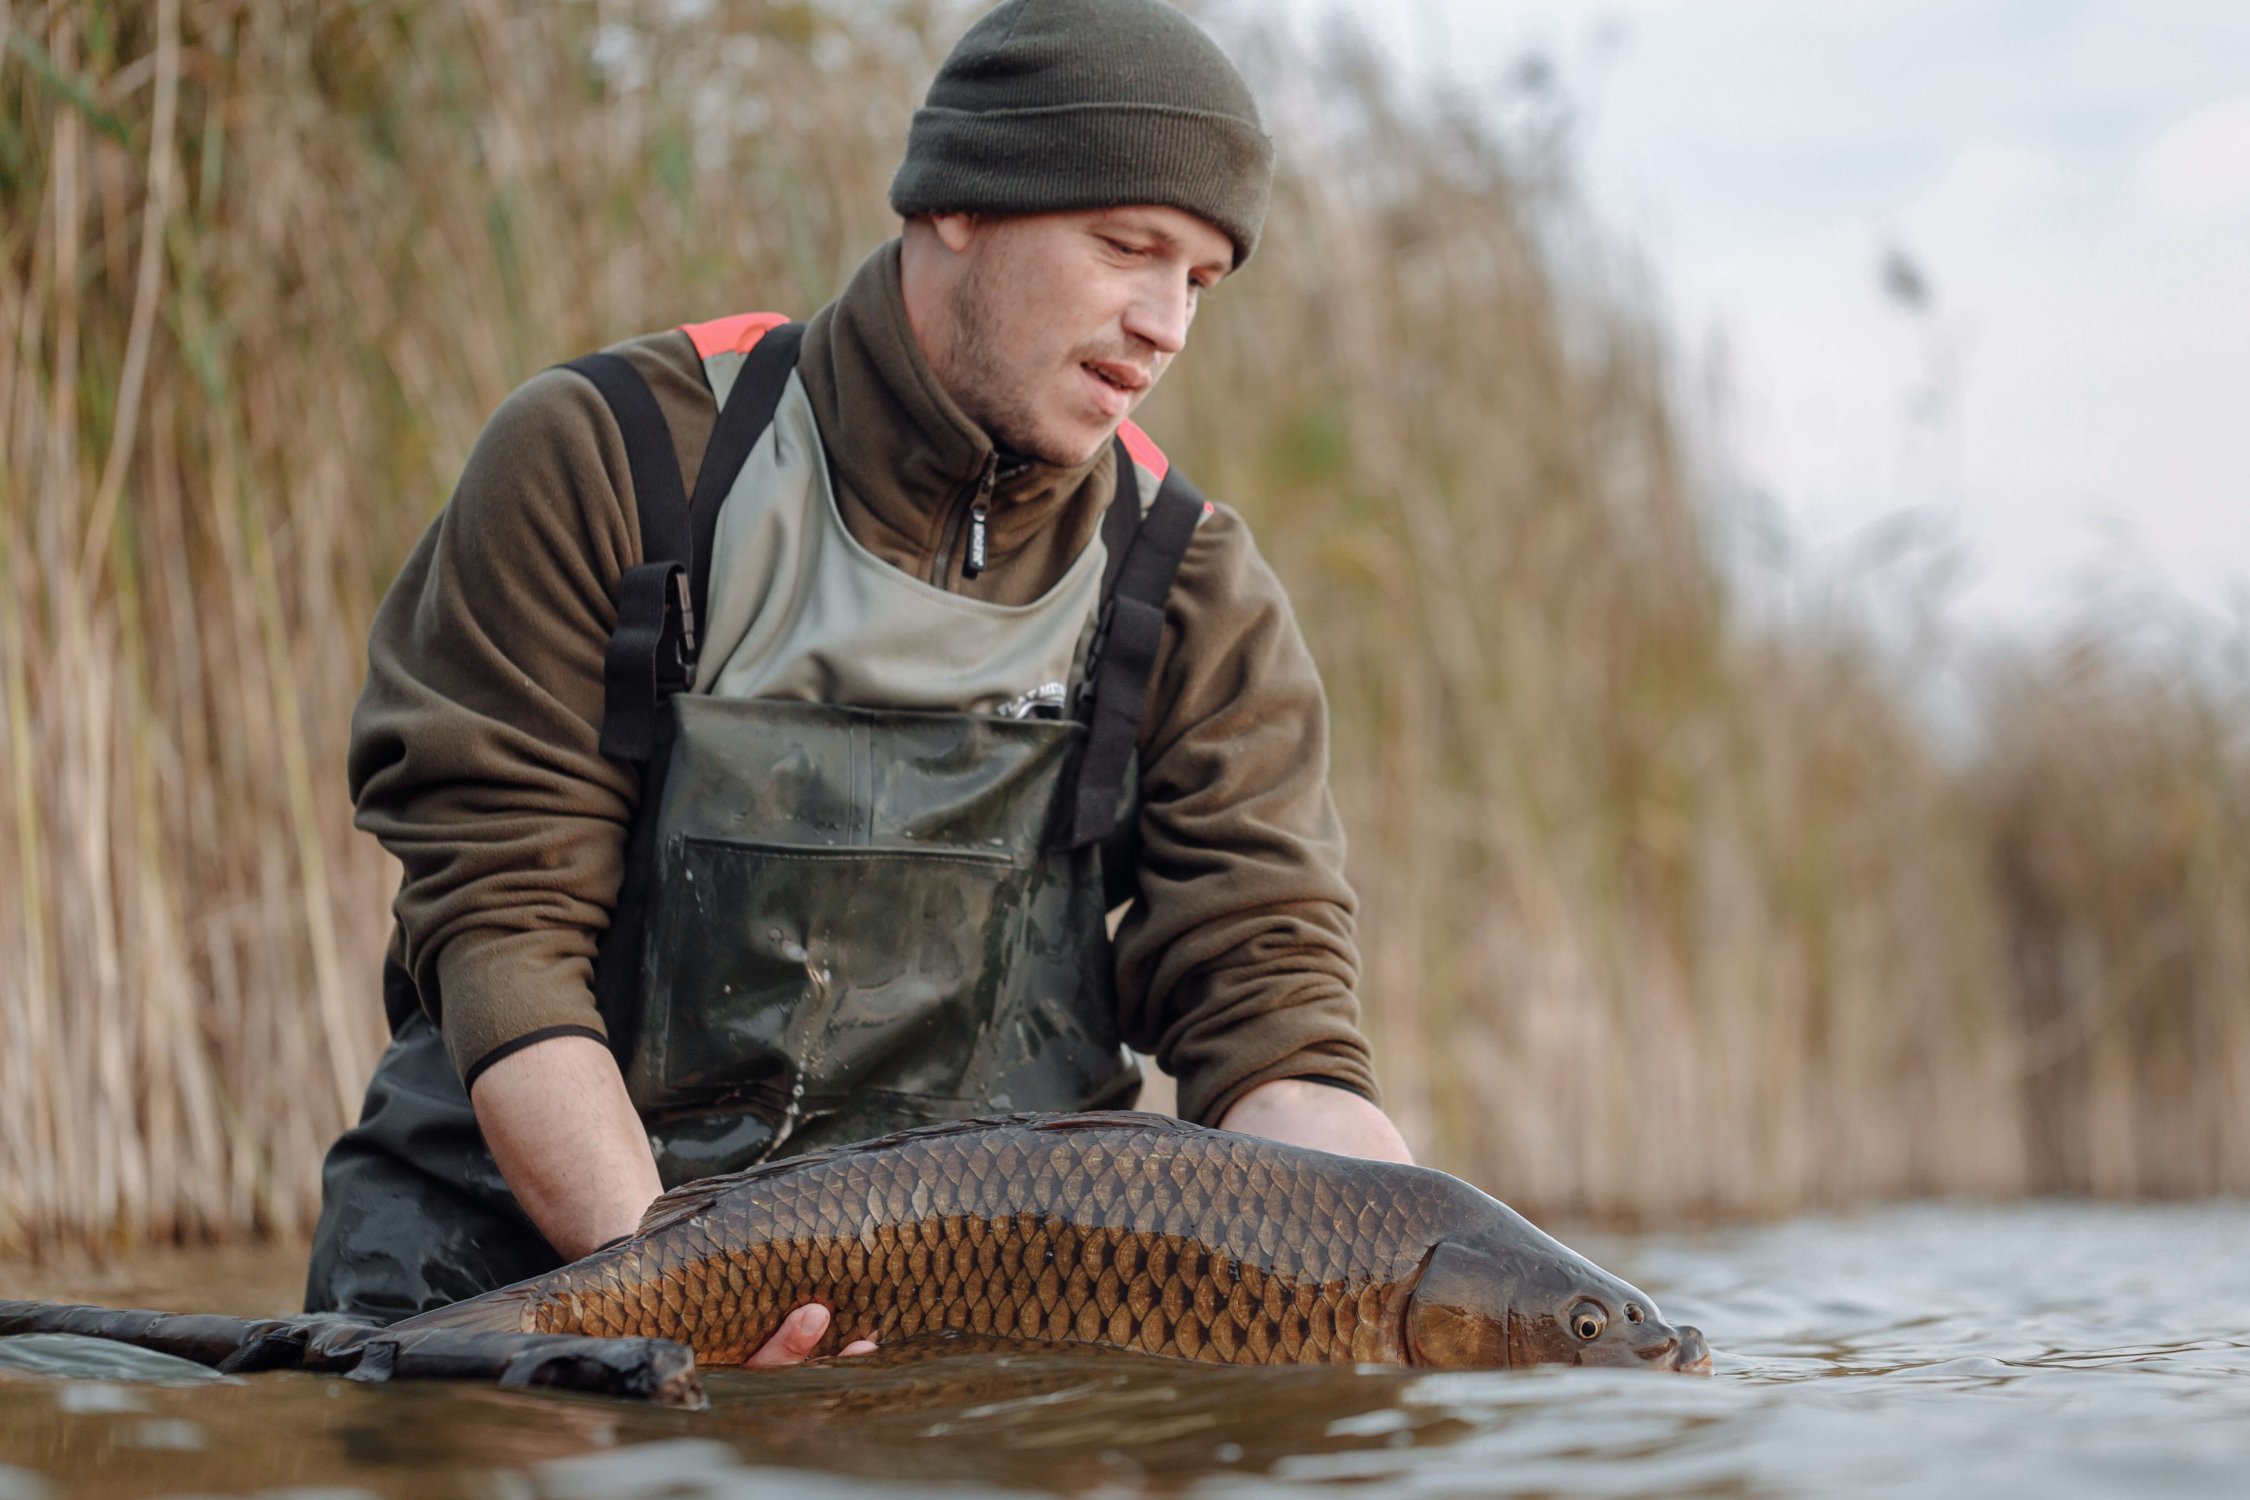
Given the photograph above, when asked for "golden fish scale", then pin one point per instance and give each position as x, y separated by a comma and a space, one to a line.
1201, 1245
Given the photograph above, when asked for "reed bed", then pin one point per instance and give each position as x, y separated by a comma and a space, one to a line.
1669, 907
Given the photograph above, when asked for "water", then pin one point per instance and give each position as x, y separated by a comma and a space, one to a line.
2063, 1350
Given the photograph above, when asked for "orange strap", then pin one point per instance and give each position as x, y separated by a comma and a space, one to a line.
736, 335
1144, 451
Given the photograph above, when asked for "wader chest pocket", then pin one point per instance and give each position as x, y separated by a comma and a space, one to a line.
797, 975
855, 923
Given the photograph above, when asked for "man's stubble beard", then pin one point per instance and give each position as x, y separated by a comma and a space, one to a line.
983, 384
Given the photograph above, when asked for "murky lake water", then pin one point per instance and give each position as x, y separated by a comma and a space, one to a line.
2061, 1350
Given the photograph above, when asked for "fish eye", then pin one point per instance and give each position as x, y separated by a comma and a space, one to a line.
1588, 1321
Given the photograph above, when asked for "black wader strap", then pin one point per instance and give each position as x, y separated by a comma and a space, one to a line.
654, 643
751, 403
1144, 557
1120, 523
652, 652
661, 602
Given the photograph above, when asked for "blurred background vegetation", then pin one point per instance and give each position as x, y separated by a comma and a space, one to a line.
1675, 900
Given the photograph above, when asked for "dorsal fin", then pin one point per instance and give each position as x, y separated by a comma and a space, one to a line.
692, 1198
1111, 1119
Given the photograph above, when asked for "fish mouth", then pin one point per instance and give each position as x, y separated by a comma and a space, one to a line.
1685, 1351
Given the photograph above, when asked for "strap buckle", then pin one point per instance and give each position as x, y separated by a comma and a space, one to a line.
686, 645
1096, 644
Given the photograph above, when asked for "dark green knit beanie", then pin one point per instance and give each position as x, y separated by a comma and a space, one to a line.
1048, 106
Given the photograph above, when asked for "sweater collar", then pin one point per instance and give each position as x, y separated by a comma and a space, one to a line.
898, 442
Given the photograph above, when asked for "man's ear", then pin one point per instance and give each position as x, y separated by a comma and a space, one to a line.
954, 231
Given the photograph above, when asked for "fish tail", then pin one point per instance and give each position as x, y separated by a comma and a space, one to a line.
505, 1311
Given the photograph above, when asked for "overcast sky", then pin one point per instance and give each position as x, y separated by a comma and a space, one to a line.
2073, 176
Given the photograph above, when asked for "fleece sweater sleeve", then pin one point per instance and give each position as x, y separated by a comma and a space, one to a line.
1236, 962
474, 747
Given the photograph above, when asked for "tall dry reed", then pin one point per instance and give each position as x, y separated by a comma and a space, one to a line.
1666, 908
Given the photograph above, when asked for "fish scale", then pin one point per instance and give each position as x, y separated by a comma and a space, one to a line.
1165, 1241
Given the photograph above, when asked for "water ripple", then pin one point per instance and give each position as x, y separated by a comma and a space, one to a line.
1930, 1350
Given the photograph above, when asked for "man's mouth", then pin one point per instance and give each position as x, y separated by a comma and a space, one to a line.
1113, 386
1130, 379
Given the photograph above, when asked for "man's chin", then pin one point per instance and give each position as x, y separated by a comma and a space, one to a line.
1064, 450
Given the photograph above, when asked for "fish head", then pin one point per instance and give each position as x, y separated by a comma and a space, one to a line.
1492, 1306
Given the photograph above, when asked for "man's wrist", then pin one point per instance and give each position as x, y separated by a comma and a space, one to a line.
1302, 1112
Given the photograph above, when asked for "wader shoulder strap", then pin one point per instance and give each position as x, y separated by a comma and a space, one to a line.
751, 403
1144, 557
653, 645
652, 651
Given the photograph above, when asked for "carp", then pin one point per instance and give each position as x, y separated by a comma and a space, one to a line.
1120, 1229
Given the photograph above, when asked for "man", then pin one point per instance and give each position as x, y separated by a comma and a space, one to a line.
817, 892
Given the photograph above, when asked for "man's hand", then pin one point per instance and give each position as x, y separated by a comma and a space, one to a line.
1298, 1112
799, 1334
567, 1138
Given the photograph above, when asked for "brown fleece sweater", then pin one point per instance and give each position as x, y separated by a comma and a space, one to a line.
474, 746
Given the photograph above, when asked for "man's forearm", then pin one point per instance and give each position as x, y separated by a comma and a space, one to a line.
1299, 1112
568, 1140
565, 1135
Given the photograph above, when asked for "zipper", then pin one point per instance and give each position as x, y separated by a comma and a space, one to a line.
975, 522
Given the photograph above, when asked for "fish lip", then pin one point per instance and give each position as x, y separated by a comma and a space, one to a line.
1684, 1350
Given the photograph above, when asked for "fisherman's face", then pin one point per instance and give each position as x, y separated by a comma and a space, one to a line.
1056, 326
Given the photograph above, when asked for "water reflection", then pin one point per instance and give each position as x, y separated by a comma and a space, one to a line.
1937, 1350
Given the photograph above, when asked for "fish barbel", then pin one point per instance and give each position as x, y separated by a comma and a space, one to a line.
1120, 1229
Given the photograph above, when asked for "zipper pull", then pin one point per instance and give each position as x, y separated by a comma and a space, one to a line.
974, 557
973, 563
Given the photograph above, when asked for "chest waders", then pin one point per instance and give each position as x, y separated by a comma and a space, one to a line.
865, 887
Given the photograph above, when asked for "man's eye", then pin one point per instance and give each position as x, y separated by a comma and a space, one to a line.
1121, 247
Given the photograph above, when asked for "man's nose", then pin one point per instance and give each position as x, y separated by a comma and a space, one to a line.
1160, 319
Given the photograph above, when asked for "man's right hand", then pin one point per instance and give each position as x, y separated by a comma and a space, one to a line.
565, 1135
